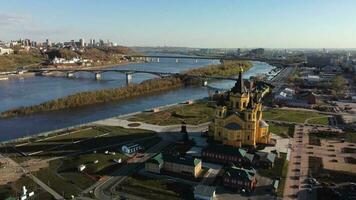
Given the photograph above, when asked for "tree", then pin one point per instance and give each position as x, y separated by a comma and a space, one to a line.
338, 84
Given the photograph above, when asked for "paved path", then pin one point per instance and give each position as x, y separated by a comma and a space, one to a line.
157, 128
298, 166
291, 186
45, 187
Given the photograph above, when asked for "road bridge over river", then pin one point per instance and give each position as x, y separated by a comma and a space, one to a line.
271, 61
98, 72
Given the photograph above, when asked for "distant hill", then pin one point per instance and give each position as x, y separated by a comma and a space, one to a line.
94, 53
21, 58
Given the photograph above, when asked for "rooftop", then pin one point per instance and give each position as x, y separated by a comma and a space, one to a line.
240, 173
203, 190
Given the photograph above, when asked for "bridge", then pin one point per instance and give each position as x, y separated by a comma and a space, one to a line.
271, 61
149, 58
98, 72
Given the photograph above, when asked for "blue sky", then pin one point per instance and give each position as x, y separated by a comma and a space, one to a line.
193, 23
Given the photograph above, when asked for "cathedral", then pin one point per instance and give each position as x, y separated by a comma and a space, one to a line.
238, 118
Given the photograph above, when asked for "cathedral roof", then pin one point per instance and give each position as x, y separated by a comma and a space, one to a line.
239, 86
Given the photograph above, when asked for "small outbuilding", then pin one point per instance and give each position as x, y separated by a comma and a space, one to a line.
131, 148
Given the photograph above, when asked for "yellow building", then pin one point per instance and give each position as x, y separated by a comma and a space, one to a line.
238, 119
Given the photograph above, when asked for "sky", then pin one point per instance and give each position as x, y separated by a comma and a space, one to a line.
185, 23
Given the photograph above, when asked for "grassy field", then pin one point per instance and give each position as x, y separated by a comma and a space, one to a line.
60, 184
196, 113
15, 189
279, 170
113, 135
350, 137
284, 131
152, 188
77, 135
322, 120
62, 174
70, 164
294, 116
12, 61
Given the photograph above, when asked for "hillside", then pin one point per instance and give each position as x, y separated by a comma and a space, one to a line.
19, 59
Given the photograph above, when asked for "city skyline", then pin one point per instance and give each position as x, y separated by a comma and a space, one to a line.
208, 24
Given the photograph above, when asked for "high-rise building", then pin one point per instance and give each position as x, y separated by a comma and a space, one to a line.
81, 41
48, 43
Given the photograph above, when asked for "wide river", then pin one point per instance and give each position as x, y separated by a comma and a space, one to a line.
34, 90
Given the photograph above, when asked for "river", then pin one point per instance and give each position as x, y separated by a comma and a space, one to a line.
35, 90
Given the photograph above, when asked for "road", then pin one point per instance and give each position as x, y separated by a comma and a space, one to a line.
279, 80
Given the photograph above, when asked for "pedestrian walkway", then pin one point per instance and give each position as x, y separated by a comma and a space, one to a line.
157, 128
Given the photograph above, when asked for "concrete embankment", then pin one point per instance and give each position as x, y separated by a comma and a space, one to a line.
16, 76
41, 136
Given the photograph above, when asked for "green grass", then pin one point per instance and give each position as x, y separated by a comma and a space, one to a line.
60, 184
322, 120
350, 137
14, 189
77, 135
284, 131
196, 113
12, 61
116, 135
293, 116
153, 188
70, 164
279, 170
6, 191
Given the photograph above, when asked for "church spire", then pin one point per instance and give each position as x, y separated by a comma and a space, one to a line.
239, 85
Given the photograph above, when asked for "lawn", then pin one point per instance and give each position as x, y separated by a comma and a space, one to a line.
60, 184
350, 137
279, 170
77, 135
114, 135
70, 164
153, 188
294, 116
196, 113
320, 120
15, 189
284, 131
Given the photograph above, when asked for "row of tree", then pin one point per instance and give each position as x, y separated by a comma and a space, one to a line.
226, 69
99, 96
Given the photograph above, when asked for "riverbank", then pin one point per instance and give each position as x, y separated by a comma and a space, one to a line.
101, 96
144, 88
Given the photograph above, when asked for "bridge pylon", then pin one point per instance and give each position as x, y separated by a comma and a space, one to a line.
128, 78
70, 74
97, 76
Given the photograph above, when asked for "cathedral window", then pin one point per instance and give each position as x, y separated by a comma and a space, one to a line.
248, 137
